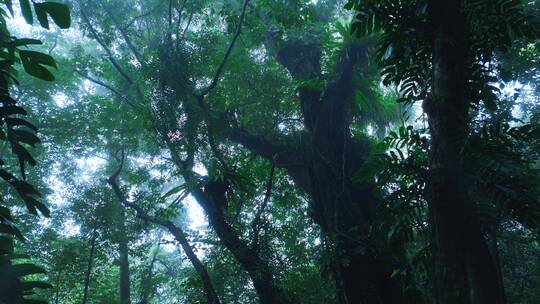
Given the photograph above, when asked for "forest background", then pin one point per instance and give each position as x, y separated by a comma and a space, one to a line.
282, 151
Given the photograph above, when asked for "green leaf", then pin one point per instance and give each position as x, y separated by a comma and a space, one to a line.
33, 205
10, 110
36, 284
36, 70
25, 188
39, 72
38, 57
59, 13
26, 137
23, 154
26, 10
5, 213
26, 269
6, 175
32, 62
11, 121
41, 15
6, 245
12, 230
25, 41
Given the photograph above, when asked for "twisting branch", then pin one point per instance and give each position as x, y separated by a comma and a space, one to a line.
113, 179
219, 70
257, 145
110, 55
55, 44
175, 230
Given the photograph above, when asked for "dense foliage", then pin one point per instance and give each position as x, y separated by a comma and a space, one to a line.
287, 151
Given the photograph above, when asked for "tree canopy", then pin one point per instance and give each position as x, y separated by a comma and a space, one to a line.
286, 151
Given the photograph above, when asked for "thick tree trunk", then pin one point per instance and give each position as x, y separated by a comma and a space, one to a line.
213, 200
464, 270
124, 257
343, 211
323, 165
89, 266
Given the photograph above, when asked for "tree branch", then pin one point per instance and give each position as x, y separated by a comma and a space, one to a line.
283, 156
219, 70
131, 46
180, 11
110, 55
130, 23
176, 231
187, 26
106, 86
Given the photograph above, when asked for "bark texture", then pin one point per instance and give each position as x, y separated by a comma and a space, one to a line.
323, 165
464, 270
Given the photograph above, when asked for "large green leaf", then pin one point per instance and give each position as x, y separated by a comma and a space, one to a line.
11, 230
33, 64
59, 13
36, 284
26, 11
27, 269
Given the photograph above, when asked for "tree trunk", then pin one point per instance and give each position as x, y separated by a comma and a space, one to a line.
177, 232
343, 211
146, 283
124, 257
213, 200
496, 254
90, 265
180, 236
323, 166
464, 270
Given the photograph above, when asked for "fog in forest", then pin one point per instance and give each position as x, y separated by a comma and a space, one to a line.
272, 152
